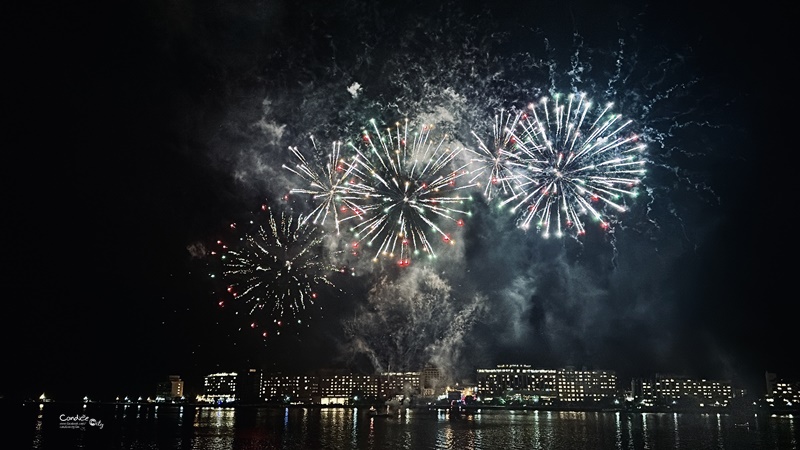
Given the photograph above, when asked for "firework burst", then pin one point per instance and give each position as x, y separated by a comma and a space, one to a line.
403, 183
324, 181
273, 270
494, 165
578, 164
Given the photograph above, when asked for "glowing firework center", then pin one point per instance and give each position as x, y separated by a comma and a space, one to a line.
402, 184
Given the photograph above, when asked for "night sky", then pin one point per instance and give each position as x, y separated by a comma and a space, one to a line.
141, 131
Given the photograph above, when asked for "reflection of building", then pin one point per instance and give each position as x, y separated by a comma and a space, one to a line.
170, 390
219, 388
782, 393
668, 390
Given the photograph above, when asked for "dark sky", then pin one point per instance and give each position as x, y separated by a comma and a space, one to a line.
140, 131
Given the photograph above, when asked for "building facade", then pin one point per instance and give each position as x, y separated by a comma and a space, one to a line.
290, 388
219, 388
782, 393
398, 384
431, 383
520, 383
170, 390
347, 389
671, 390
586, 386
249, 386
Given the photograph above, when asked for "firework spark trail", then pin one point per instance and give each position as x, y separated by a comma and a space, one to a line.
324, 182
274, 270
399, 178
664, 102
496, 166
572, 162
664, 113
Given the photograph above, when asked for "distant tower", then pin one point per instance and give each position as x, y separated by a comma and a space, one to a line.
249, 386
171, 390
771, 379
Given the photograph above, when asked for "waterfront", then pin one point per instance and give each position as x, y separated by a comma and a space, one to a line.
127, 427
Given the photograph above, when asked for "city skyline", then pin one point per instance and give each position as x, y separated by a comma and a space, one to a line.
197, 386
151, 136
511, 386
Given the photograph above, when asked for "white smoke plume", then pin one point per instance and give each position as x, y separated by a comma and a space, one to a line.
412, 322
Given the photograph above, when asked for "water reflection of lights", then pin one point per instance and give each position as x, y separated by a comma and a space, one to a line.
215, 417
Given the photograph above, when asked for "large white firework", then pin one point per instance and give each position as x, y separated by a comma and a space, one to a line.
323, 179
403, 183
578, 164
494, 164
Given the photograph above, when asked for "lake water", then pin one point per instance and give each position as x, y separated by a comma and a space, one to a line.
121, 427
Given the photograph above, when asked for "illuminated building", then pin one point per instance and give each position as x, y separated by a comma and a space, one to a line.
670, 390
170, 390
430, 382
582, 386
219, 388
523, 384
518, 382
345, 389
290, 388
782, 393
392, 384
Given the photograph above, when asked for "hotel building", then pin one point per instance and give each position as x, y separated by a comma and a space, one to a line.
346, 389
669, 390
782, 393
170, 390
393, 384
219, 388
521, 383
290, 388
